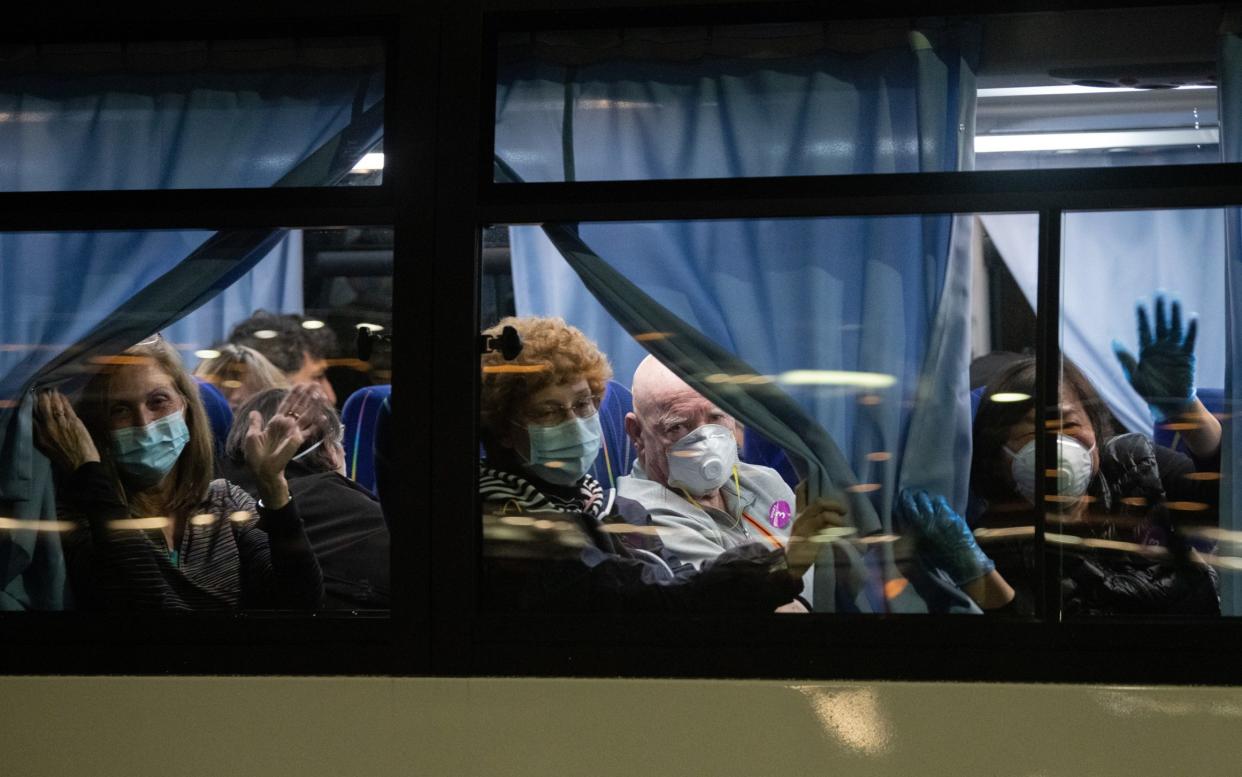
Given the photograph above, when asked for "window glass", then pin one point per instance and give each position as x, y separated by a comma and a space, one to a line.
1140, 521
191, 114
1003, 91
188, 420
677, 415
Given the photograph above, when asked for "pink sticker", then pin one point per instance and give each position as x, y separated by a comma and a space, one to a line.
780, 515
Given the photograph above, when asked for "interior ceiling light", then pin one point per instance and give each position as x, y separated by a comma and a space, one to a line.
1039, 91
1083, 141
369, 163
876, 380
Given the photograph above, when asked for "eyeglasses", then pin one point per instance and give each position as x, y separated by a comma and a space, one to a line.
551, 413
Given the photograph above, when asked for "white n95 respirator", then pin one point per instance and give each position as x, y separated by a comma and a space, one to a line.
703, 460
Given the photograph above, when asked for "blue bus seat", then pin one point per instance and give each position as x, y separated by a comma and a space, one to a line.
383, 460
359, 414
616, 455
757, 449
219, 414
976, 396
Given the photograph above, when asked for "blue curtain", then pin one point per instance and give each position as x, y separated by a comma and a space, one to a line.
1110, 260
274, 283
876, 295
67, 296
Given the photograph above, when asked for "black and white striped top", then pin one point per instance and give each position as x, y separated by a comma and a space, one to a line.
496, 485
232, 555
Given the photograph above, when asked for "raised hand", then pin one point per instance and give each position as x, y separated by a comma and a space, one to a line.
942, 535
60, 434
270, 446
1164, 372
813, 517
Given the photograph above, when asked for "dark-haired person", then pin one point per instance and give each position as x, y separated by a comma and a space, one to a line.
300, 353
155, 530
1124, 510
554, 538
343, 521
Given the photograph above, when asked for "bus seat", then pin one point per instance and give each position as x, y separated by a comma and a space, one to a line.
359, 414
757, 449
219, 414
384, 456
616, 454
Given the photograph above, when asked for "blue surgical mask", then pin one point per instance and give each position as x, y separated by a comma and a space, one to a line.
563, 453
145, 454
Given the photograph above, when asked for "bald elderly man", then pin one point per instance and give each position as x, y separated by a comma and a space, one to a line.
702, 499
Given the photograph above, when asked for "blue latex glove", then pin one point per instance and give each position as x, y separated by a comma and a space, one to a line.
1164, 373
942, 535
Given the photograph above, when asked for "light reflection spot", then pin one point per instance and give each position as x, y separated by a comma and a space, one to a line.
863, 488
1009, 396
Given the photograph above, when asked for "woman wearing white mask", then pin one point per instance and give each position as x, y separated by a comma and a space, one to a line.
1124, 510
156, 532
553, 536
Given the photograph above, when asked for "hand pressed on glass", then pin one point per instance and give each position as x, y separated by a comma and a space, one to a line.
1164, 372
814, 516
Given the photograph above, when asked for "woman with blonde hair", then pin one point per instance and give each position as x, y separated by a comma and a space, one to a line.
155, 530
240, 372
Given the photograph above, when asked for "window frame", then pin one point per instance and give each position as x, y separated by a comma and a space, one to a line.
930, 647
438, 194
255, 643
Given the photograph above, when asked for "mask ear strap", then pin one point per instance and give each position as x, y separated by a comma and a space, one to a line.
304, 453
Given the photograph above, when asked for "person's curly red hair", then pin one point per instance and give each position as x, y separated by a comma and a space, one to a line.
553, 353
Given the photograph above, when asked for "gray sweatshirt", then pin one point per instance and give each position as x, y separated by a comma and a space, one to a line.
697, 533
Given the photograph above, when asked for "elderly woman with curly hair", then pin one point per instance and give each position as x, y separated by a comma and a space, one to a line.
156, 530
554, 537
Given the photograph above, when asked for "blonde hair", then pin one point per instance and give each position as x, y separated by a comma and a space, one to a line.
553, 353
240, 366
193, 471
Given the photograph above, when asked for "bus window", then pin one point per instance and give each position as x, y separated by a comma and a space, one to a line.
672, 411
1012, 91
1137, 525
192, 114
176, 433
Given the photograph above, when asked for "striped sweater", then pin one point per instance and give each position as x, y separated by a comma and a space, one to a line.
231, 555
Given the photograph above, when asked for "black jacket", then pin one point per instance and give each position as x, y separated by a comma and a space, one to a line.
1141, 498
346, 530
